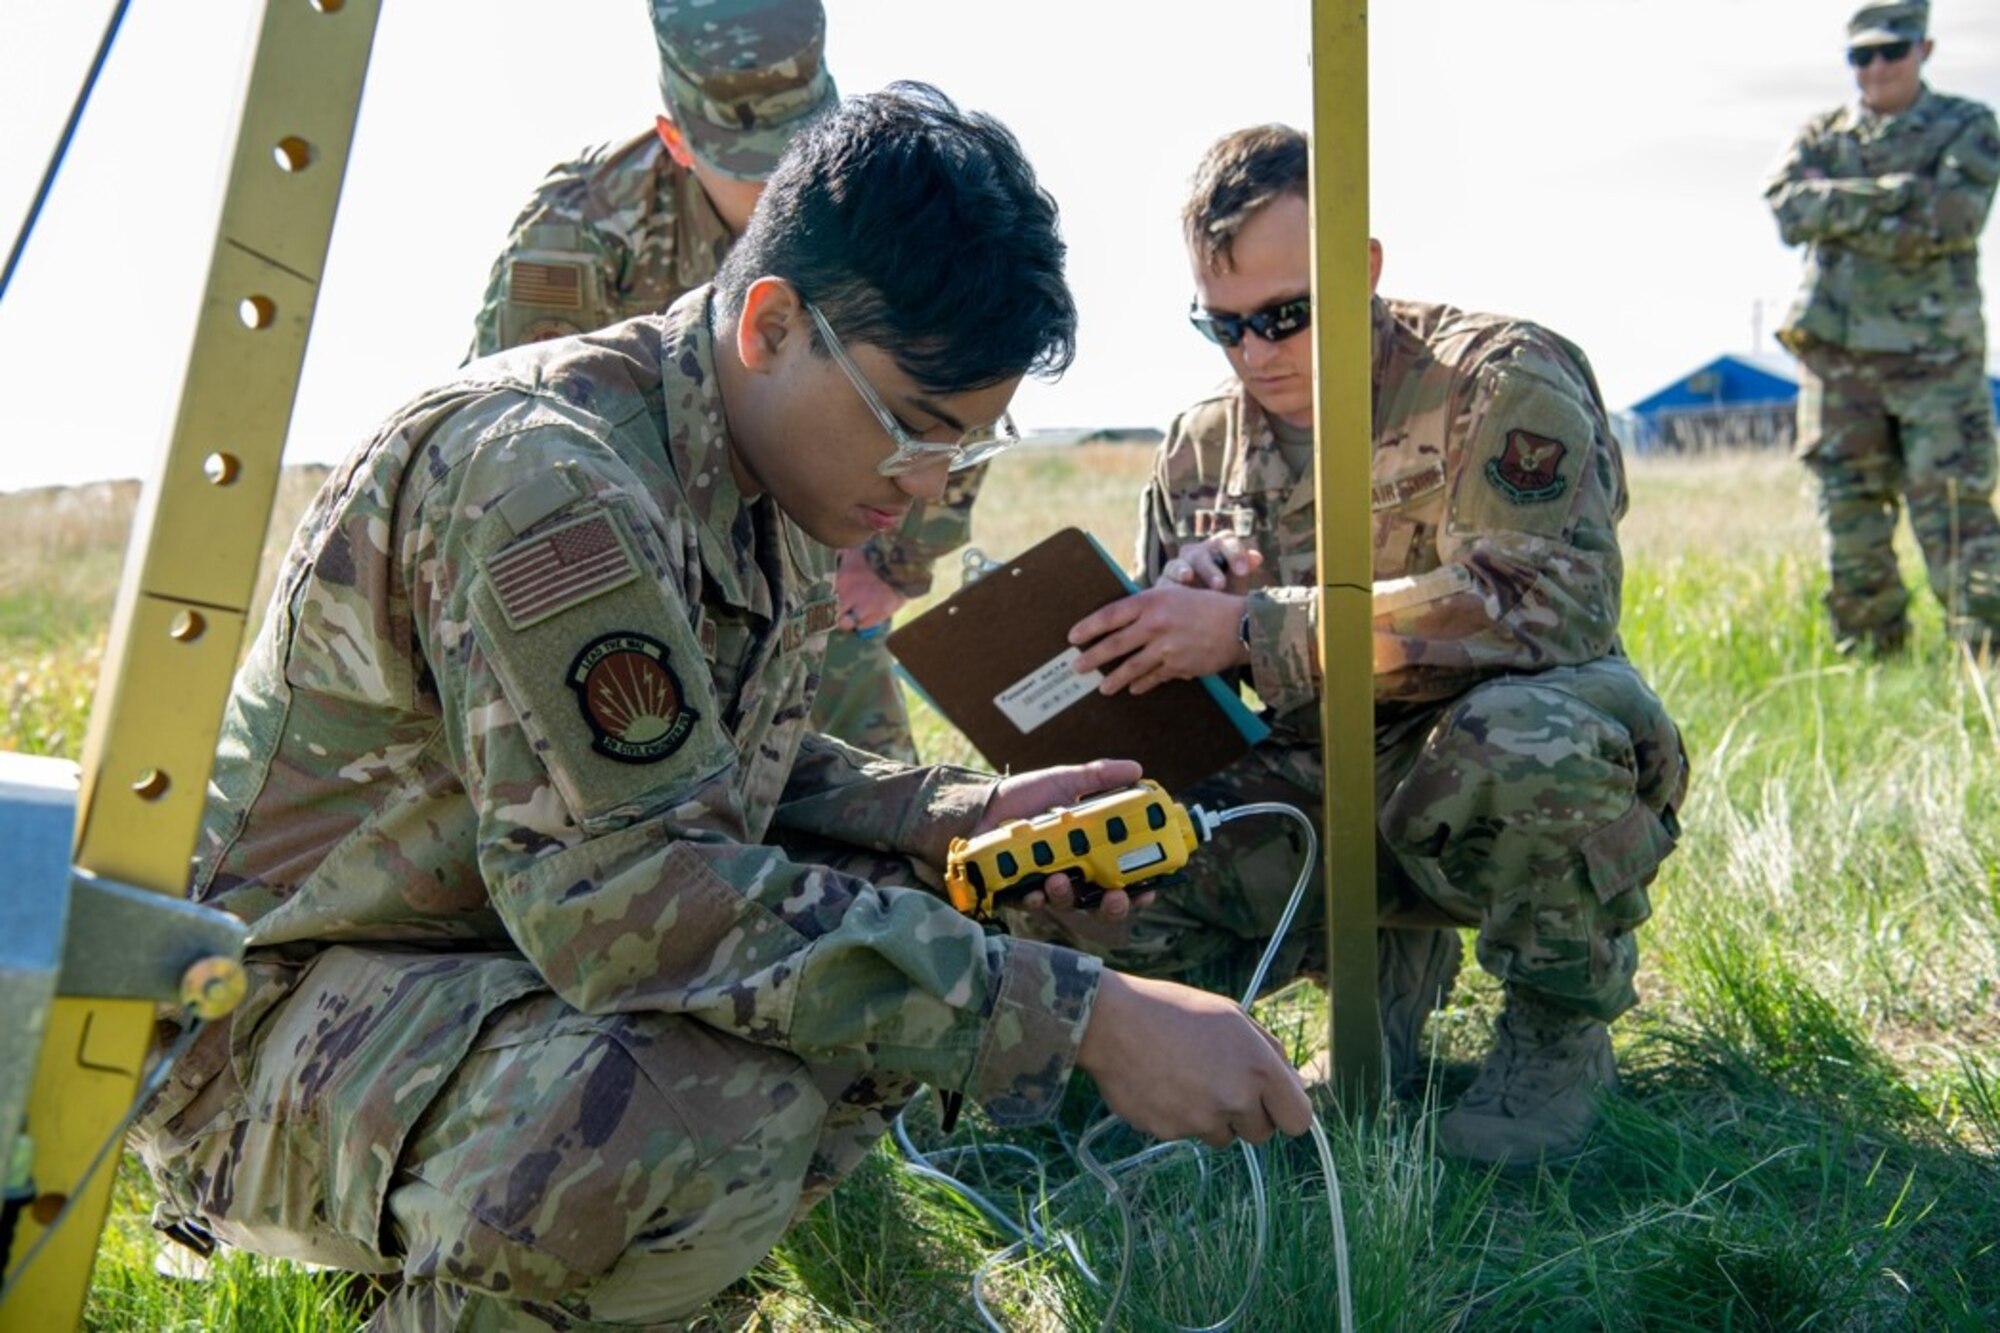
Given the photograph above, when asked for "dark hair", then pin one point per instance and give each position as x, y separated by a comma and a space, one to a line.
1238, 176
918, 228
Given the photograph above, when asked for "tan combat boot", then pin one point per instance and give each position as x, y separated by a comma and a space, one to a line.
1535, 1097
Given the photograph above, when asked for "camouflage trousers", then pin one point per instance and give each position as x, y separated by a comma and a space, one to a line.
859, 699
1535, 808
568, 1170
1878, 427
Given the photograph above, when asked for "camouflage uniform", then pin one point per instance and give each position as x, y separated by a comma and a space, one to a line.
1526, 777
562, 1003
624, 231
1887, 326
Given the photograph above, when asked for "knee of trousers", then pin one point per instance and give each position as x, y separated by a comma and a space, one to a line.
1513, 757
626, 1167
1523, 787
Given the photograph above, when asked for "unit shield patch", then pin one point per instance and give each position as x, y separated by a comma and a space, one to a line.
631, 699
1526, 470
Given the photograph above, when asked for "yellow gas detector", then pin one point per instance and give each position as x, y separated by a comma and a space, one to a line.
1112, 840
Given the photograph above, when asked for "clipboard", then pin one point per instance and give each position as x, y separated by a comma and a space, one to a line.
994, 658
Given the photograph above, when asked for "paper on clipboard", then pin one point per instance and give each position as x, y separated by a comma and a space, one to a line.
995, 659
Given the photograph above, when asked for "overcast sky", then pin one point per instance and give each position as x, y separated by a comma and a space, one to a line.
1592, 164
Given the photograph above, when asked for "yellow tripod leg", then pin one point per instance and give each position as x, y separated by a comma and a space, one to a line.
189, 574
1342, 426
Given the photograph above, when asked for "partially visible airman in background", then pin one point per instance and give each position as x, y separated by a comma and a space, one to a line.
629, 226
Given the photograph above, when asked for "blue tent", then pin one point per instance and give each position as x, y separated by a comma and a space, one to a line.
1739, 399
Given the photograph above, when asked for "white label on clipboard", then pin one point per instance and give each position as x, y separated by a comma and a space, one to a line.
1046, 691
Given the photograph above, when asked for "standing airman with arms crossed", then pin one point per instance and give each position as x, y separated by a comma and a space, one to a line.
1888, 196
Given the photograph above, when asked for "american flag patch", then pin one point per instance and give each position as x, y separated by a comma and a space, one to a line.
550, 572
558, 285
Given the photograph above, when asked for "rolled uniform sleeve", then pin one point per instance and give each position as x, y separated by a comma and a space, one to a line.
1529, 574
629, 872
1160, 512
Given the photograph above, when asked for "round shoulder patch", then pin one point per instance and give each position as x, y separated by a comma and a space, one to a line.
631, 699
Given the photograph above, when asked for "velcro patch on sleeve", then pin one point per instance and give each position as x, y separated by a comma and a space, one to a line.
1524, 461
614, 698
554, 286
632, 700
546, 573
1529, 468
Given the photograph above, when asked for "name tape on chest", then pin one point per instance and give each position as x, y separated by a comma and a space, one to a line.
814, 618
1394, 492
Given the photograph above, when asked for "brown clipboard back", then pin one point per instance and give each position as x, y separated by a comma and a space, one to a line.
992, 658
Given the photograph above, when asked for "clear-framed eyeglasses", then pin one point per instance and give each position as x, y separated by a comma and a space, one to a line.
974, 447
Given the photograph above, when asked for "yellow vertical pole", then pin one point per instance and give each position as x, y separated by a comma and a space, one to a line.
1342, 415
189, 575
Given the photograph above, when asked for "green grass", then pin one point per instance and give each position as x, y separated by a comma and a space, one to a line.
1809, 1136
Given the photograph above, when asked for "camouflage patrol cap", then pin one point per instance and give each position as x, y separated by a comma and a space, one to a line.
1877, 24
742, 76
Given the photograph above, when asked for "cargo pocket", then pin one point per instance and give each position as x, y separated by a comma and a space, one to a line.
339, 1075
1622, 858
198, 1095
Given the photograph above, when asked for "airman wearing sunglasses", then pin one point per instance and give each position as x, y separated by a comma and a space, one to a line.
1889, 195
581, 967
1526, 776
629, 226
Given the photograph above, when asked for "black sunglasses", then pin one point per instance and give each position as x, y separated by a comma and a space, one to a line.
1274, 323
1861, 57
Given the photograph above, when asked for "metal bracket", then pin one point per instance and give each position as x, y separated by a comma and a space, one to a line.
67, 932
974, 565
133, 944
